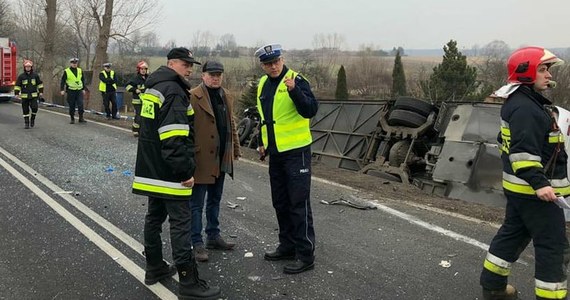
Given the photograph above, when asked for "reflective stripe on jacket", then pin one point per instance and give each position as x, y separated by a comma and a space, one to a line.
136, 83
532, 146
165, 153
28, 85
291, 130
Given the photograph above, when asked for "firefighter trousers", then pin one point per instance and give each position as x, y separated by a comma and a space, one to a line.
29, 103
542, 222
290, 177
179, 217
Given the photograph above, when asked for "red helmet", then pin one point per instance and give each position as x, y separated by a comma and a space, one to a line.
28, 63
524, 62
142, 65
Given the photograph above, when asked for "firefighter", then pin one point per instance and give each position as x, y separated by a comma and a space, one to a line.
136, 87
29, 88
534, 176
73, 83
286, 103
164, 172
108, 89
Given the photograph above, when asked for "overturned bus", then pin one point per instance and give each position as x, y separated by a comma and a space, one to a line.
449, 149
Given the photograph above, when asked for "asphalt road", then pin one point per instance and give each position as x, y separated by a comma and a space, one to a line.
72, 229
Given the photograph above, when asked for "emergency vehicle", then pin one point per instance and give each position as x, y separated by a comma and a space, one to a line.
8, 71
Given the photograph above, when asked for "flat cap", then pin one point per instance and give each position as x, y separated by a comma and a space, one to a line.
213, 66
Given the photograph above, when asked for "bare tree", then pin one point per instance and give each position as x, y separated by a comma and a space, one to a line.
49, 47
492, 67
202, 42
6, 21
327, 48
117, 20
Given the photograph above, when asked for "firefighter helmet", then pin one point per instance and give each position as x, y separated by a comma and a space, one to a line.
523, 63
142, 65
28, 63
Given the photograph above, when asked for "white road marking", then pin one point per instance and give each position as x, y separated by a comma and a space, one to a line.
90, 121
410, 218
137, 272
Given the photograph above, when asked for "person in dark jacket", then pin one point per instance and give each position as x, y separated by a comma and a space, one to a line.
29, 88
534, 177
73, 83
286, 103
217, 139
136, 86
108, 89
164, 172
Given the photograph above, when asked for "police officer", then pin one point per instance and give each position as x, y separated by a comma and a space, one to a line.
165, 173
73, 83
534, 175
286, 103
137, 86
29, 87
108, 88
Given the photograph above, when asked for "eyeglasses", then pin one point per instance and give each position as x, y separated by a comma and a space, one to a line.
271, 63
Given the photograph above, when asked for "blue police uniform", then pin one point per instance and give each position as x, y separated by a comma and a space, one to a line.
286, 137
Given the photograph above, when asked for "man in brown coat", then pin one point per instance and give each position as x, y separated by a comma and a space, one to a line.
217, 146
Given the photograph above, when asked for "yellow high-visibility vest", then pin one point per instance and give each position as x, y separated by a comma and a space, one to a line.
291, 130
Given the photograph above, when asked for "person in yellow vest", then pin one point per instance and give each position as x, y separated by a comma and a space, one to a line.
108, 89
73, 83
286, 104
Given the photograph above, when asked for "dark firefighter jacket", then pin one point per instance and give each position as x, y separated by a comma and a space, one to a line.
29, 85
136, 82
165, 154
532, 146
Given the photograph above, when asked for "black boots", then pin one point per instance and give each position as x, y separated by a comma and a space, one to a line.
192, 287
27, 122
32, 120
81, 120
158, 272
72, 119
509, 293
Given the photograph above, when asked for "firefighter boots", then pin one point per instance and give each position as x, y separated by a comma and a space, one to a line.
27, 122
158, 272
81, 120
32, 120
191, 287
72, 119
509, 293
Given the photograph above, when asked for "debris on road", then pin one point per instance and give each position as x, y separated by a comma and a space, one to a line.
241, 198
248, 254
109, 169
232, 205
445, 264
350, 203
254, 278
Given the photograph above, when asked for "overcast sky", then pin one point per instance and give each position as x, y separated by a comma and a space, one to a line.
412, 24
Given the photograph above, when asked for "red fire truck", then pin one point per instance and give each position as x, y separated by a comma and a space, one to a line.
8, 71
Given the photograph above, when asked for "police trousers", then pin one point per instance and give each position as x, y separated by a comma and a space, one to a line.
179, 217
75, 98
525, 220
290, 177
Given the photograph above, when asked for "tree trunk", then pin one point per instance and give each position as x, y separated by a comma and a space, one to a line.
96, 102
50, 82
